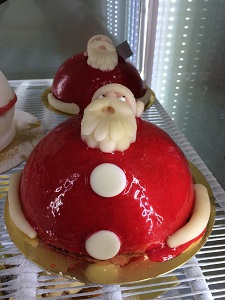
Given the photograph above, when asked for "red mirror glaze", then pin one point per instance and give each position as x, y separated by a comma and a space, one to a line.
75, 81
59, 203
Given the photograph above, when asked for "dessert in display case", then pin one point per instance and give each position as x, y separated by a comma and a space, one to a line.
80, 76
102, 196
76, 271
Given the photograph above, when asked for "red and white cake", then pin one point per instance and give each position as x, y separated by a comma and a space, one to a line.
81, 75
7, 109
109, 183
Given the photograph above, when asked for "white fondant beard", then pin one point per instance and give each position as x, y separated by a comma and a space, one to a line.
102, 55
108, 124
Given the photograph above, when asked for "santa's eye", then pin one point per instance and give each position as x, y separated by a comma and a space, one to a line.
101, 96
122, 98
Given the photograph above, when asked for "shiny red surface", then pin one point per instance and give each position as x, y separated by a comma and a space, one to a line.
59, 203
75, 81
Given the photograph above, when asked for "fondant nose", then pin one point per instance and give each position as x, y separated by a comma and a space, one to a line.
102, 47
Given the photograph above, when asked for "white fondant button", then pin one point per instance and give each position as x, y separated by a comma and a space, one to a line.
107, 180
102, 245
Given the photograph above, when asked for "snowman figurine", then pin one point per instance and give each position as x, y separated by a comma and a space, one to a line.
7, 109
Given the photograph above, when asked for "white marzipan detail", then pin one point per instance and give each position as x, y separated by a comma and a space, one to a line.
69, 108
198, 221
102, 245
117, 88
108, 180
101, 53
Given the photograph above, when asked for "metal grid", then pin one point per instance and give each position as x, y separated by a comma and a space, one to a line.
202, 277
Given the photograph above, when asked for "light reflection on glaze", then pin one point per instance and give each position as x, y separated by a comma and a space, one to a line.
62, 83
65, 187
50, 233
147, 210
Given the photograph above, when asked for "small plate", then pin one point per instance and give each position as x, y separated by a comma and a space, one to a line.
149, 99
138, 269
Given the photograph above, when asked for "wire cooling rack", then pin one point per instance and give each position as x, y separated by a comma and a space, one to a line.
202, 277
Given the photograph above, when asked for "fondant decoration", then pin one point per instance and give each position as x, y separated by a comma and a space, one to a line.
69, 108
109, 123
197, 222
81, 75
107, 180
122, 93
101, 53
102, 245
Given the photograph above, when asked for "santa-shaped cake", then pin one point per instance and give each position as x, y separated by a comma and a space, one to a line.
81, 75
109, 184
7, 109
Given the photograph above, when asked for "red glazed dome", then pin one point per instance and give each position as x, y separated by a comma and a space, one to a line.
77, 78
61, 204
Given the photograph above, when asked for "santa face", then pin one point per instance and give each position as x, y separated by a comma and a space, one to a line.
113, 94
101, 53
109, 121
122, 93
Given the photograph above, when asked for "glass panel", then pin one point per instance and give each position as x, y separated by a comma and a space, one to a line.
188, 74
37, 36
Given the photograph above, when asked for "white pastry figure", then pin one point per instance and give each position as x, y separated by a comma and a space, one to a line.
101, 53
7, 109
109, 121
